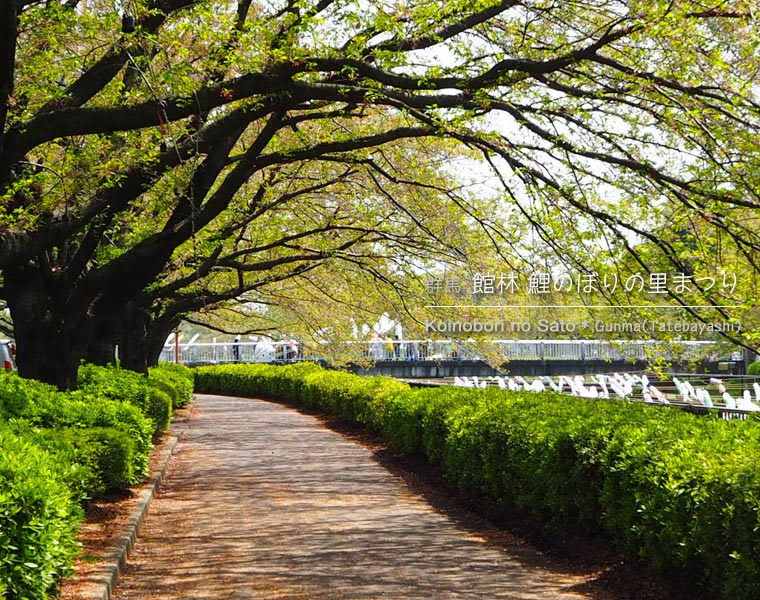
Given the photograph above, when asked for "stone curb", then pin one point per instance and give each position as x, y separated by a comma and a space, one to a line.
105, 581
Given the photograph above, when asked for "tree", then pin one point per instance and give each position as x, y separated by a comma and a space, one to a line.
306, 220
155, 133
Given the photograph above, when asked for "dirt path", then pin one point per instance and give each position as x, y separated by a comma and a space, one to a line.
264, 502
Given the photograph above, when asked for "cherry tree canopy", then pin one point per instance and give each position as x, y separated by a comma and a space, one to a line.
137, 161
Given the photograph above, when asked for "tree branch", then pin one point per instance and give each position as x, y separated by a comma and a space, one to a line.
87, 121
8, 35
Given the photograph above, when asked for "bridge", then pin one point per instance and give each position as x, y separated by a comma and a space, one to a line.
450, 358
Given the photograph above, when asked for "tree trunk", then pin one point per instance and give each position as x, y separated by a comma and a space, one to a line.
159, 331
132, 337
54, 333
102, 347
139, 337
51, 336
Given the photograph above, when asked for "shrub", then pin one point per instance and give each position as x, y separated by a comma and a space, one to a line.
20, 397
176, 380
121, 384
350, 398
43, 406
678, 490
57, 448
403, 421
106, 452
175, 368
753, 368
159, 382
104, 456
39, 515
255, 379
160, 407
124, 417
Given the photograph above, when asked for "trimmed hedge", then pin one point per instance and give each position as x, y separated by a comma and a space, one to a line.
677, 490
39, 515
103, 456
120, 384
43, 406
176, 380
59, 448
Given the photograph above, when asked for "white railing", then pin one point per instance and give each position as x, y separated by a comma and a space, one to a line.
445, 350
231, 352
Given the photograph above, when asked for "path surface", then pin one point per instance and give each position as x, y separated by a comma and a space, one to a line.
264, 502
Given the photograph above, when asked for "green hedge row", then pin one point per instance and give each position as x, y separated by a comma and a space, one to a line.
175, 380
38, 405
677, 490
39, 515
60, 448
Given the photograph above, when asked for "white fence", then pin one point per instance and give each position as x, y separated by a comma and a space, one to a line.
231, 352
445, 350
575, 350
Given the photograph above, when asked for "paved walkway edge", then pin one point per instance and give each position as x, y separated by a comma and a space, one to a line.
116, 560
